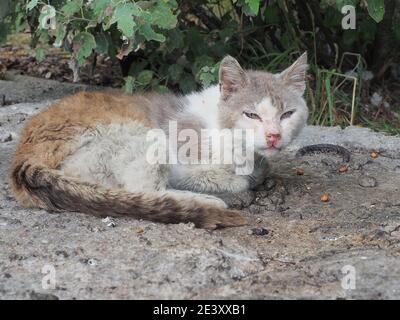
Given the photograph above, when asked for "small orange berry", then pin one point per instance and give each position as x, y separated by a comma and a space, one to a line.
324, 198
343, 169
374, 155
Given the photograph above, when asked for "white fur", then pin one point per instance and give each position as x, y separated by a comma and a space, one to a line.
203, 105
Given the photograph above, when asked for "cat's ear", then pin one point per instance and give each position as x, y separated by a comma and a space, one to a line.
231, 77
295, 75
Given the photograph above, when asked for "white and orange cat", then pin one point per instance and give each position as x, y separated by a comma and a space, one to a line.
87, 152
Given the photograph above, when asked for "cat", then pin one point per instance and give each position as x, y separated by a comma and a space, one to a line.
89, 152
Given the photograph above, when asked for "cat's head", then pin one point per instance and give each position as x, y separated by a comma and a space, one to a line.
271, 104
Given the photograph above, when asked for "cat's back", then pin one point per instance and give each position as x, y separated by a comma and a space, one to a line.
90, 108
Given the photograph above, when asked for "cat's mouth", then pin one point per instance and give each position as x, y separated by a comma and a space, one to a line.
270, 148
269, 151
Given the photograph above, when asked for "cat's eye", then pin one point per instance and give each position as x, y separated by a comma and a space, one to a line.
252, 115
287, 114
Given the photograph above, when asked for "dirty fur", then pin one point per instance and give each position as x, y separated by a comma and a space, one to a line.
87, 153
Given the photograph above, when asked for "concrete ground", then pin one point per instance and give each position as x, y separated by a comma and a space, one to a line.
347, 248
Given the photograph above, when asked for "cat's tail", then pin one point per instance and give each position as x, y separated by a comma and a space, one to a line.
49, 189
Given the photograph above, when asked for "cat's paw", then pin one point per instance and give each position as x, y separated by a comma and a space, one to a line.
211, 200
205, 199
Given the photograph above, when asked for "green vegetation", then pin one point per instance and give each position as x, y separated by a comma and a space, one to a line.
176, 44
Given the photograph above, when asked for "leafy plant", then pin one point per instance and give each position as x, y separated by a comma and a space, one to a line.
177, 44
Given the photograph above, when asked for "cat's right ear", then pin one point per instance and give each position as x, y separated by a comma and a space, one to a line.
231, 77
295, 76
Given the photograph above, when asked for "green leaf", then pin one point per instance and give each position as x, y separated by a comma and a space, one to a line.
72, 7
201, 62
187, 83
98, 8
60, 35
341, 3
147, 31
175, 71
161, 89
123, 16
129, 84
20, 22
145, 77
31, 4
376, 9
162, 15
254, 6
207, 75
175, 40
83, 45
102, 44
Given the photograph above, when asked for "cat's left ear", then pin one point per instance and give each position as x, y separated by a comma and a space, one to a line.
295, 75
231, 77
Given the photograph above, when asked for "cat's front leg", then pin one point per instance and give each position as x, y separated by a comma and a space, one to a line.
208, 179
260, 172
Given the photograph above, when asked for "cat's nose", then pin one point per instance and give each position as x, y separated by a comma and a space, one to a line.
272, 139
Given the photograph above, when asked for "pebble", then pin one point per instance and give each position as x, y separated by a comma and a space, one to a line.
141, 230
397, 169
258, 231
92, 262
110, 222
367, 182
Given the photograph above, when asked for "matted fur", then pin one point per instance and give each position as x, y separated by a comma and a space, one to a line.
86, 153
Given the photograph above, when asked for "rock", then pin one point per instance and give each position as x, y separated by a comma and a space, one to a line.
92, 262
367, 182
109, 222
259, 231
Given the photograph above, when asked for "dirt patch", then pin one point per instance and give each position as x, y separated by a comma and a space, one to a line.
20, 59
